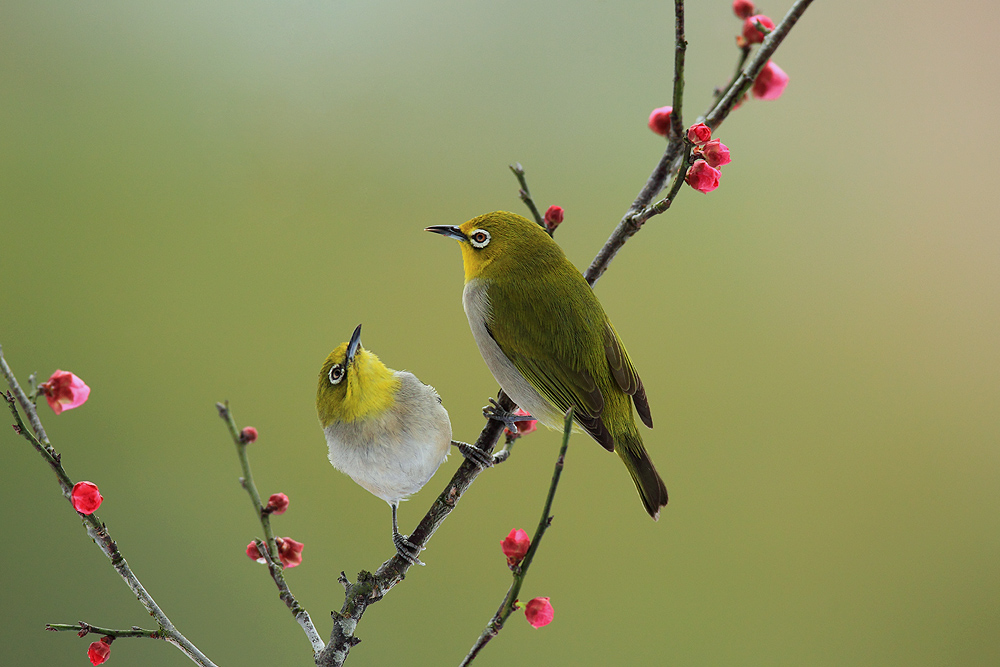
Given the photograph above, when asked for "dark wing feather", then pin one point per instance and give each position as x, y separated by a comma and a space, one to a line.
564, 388
561, 385
624, 373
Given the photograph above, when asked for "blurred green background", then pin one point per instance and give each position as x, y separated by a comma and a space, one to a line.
199, 200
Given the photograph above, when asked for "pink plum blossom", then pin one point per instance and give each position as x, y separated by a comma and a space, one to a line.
770, 83
702, 177
659, 120
539, 612
64, 391
86, 497
515, 547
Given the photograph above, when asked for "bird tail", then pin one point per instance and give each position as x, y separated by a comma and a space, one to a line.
652, 490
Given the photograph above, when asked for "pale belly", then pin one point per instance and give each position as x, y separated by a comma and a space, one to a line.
395, 454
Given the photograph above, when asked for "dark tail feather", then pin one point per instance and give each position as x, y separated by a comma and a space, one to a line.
652, 490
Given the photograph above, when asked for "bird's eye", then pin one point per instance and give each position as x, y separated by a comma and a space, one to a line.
336, 374
479, 238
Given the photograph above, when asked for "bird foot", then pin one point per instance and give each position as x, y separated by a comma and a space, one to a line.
480, 458
495, 412
406, 549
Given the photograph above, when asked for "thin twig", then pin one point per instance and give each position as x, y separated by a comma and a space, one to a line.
83, 629
520, 571
246, 481
740, 62
269, 552
48, 453
680, 49
99, 533
525, 195
26, 404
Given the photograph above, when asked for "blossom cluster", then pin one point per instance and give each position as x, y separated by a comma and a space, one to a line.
708, 155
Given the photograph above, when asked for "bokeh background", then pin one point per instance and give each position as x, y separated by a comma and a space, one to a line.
199, 200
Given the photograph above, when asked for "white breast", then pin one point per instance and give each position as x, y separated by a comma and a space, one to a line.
394, 454
476, 301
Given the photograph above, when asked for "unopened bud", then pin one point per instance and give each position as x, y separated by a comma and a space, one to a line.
715, 153
770, 83
752, 34
659, 120
553, 216
86, 497
702, 177
522, 427
743, 8
98, 652
277, 504
539, 612
515, 547
699, 134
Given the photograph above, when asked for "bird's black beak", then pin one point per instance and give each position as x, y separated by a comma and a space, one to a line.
450, 231
353, 346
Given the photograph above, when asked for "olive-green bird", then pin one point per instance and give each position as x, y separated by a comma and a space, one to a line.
549, 343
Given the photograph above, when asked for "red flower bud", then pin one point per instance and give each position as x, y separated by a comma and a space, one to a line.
539, 612
553, 217
715, 153
289, 551
515, 547
743, 8
99, 651
248, 435
64, 391
770, 83
86, 497
522, 428
254, 553
659, 120
750, 32
702, 177
699, 134
277, 503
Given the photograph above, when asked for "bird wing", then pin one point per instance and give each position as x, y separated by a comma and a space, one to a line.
565, 387
625, 374
551, 366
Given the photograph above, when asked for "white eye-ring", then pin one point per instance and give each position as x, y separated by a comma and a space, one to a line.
479, 238
336, 374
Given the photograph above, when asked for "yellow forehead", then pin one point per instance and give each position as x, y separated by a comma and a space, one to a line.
469, 226
338, 355
492, 222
